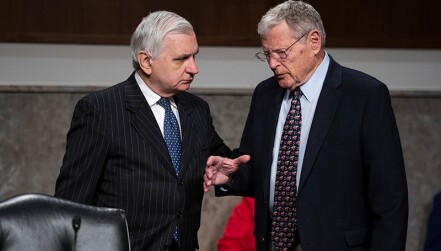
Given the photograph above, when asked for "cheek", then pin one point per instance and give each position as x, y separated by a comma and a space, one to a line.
293, 69
176, 79
297, 68
171, 74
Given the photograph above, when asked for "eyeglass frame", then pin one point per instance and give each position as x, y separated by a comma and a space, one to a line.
282, 53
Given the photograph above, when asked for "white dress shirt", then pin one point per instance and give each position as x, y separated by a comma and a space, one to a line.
152, 99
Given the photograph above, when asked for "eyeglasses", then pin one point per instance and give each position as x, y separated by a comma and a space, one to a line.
277, 54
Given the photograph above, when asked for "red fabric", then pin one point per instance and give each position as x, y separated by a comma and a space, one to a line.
238, 234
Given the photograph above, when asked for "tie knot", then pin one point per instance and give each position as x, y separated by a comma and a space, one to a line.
297, 92
165, 103
295, 95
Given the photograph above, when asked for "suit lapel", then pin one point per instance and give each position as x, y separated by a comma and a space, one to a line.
145, 123
271, 115
187, 131
326, 107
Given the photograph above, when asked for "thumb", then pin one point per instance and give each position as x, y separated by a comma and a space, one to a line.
242, 159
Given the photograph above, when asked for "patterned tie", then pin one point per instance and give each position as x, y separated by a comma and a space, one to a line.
172, 135
284, 222
172, 138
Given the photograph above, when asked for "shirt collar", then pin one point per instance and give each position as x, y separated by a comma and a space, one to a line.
312, 87
151, 97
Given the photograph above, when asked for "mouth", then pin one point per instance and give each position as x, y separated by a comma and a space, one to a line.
280, 76
187, 81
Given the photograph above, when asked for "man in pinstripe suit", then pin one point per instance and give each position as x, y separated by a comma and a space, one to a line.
116, 155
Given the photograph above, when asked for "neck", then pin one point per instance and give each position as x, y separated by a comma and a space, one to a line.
155, 88
318, 59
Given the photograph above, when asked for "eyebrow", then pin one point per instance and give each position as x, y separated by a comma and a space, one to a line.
182, 56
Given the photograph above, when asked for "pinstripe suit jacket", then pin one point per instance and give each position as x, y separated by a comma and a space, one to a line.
116, 157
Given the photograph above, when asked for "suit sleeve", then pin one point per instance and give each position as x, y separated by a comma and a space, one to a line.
242, 180
85, 155
386, 178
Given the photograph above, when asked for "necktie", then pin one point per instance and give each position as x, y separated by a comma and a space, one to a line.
284, 222
172, 138
172, 135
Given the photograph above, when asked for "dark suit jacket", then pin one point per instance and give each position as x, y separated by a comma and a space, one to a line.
353, 192
433, 236
116, 157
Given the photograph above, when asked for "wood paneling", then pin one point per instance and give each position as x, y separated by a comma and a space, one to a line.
349, 23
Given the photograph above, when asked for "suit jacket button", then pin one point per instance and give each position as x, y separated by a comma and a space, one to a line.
180, 183
179, 214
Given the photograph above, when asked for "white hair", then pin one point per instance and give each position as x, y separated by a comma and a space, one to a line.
299, 16
150, 33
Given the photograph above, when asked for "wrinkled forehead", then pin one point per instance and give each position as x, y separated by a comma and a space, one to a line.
278, 36
181, 43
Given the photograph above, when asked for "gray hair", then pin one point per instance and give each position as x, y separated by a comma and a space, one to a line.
150, 33
300, 17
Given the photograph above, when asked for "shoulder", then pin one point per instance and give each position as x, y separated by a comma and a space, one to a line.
191, 100
353, 81
358, 77
112, 94
351, 78
364, 84
267, 84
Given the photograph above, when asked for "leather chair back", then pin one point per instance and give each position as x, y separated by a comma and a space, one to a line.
39, 222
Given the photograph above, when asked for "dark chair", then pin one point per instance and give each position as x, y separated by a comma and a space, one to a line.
36, 222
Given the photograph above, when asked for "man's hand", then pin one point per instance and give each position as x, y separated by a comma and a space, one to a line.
218, 169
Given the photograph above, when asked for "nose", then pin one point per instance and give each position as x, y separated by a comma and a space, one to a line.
273, 63
192, 68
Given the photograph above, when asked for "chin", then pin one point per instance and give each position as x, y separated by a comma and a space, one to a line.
184, 87
285, 84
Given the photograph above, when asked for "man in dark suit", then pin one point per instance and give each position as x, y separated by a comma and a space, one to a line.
326, 168
116, 154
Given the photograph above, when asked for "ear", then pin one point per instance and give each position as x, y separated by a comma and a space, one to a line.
315, 39
144, 62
